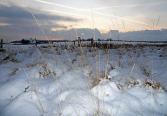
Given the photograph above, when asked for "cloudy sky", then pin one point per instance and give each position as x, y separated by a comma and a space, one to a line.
30, 18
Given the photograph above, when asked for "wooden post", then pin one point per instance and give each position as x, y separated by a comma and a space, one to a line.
35, 41
74, 42
65, 44
79, 41
1, 43
92, 42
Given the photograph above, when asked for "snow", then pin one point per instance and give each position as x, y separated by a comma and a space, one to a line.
37, 81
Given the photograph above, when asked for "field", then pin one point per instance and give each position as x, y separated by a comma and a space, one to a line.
83, 81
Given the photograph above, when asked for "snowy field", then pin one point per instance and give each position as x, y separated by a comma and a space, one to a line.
57, 81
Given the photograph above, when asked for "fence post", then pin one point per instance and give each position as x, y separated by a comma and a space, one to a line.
36, 41
79, 41
92, 42
1, 46
65, 44
74, 42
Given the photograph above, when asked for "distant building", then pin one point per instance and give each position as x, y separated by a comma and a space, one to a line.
164, 30
145, 35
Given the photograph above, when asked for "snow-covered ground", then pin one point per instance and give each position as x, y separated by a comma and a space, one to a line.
57, 81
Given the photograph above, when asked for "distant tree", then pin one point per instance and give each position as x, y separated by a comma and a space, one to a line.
109, 39
99, 39
89, 39
23, 41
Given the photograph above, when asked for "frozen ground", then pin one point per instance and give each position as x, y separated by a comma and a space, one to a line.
83, 82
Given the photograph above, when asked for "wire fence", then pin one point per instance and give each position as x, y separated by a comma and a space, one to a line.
91, 43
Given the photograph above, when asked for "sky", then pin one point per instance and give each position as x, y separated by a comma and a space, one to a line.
30, 18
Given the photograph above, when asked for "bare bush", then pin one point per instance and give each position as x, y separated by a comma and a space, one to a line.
45, 72
153, 84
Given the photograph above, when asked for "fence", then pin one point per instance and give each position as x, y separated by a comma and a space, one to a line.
94, 43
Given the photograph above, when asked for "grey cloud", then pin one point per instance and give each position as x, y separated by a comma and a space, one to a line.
16, 12
22, 24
